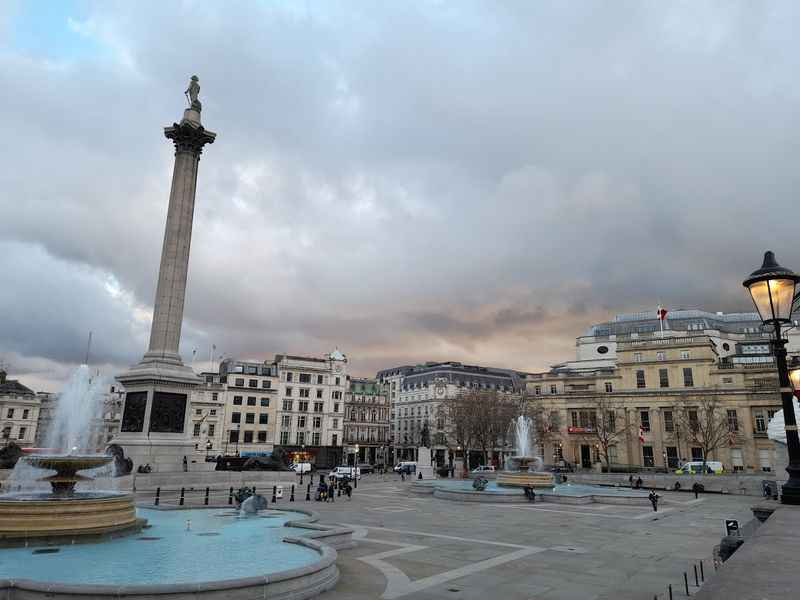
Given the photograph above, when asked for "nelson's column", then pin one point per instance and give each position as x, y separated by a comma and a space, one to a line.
155, 418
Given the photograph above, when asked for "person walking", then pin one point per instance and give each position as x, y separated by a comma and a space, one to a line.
653, 497
697, 488
630, 481
638, 483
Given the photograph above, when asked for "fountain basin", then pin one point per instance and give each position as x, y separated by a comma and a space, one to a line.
36, 519
534, 479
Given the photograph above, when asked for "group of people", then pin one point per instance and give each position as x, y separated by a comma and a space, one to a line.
327, 490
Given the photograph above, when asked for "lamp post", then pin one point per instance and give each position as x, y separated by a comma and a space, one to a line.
209, 445
772, 288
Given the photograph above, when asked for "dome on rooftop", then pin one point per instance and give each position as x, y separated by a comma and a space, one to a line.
337, 355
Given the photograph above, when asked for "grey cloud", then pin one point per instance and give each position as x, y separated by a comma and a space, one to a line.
410, 181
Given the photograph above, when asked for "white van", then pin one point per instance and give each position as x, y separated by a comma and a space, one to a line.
695, 467
345, 472
406, 467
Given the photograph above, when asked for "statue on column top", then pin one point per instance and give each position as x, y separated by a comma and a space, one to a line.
191, 94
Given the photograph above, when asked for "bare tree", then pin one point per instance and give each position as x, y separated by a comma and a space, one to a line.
608, 425
703, 423
460, 413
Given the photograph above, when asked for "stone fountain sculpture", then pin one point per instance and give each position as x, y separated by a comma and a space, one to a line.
524, 469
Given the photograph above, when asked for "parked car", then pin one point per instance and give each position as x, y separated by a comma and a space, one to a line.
695, 467
345, 472
366, 468
484, 469
406, 467
301, 467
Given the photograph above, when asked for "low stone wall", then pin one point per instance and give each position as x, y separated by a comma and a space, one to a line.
747, 485
470, 496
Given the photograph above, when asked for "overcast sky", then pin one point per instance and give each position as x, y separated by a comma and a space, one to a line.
408, 181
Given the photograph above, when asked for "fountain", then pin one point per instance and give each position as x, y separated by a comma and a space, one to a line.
35, 516
524, 469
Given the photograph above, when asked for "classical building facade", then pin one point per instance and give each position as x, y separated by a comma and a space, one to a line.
416, 395
19, 412
366, 422
659, 386
311, 410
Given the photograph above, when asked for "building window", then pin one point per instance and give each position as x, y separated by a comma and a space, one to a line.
669, 423
640, 382
301, 438
647, 456
319, 393
672, 457
240, 382
288, 391
250, 418
301, 422
663, 378
236, 417
287, 405
317, 407
611, 421
609, 387
25, 413
263, 419
736, 460
685, 354
336, 395
237, 400
251, 401
262, 437
248, 437
335, 424
727, 380
265, 402
553, 389
319, 379
661, 356
688, 378
233, 436
637, 357
765, 460
215, 397
266, 384
10, 413
253, 383
733, 421
317, 422
334, 439
303, 406
761, 423
336, 407
305, 378
196, 432
286, 421
316, 439
697, 454
305, 392
644, 416
284, 438
338, 381
289, 376
537, 390
211, 429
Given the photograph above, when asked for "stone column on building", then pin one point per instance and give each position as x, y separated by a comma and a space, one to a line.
155, 422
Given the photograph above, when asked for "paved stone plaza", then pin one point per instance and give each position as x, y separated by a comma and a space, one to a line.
418, 547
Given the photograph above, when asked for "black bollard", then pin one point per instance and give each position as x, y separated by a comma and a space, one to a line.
308, 493
158, 494
230, 496
181, 500
696, 580
355, 477
670, 591
686, 583
274, 492
291, 497
206, 500
339, 492
702, 574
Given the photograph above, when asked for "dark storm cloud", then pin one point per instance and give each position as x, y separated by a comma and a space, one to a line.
409, 181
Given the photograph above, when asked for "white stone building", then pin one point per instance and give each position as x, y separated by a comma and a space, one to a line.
19, 412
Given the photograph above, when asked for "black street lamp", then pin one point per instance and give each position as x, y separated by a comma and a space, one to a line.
772, 288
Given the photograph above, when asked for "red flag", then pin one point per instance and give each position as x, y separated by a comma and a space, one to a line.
641, 434
662, 313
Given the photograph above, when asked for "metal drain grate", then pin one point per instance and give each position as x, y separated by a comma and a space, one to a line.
47, 550
148, 539
207, 533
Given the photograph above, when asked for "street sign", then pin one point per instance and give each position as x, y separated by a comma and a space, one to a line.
731, 527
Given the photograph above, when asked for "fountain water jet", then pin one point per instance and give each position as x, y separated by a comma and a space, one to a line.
519, 472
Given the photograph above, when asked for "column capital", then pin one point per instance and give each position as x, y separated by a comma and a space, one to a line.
189, 137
